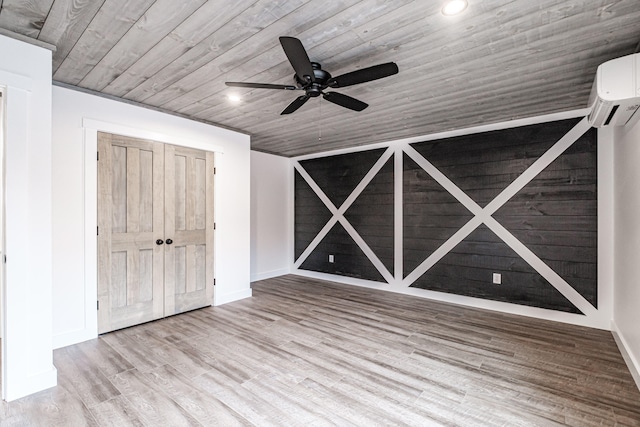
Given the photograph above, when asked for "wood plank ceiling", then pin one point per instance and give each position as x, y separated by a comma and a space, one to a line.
498, 60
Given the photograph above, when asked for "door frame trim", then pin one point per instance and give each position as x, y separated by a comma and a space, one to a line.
90, 129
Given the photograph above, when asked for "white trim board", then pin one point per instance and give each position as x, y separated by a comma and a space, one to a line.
270, 274
461, 300
114, 128
451, 133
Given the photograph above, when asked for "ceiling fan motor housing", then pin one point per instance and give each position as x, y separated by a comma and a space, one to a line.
314, 88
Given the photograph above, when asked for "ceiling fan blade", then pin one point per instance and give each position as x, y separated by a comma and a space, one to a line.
297, 103
298, 58
345, 101
260, 85
364, 75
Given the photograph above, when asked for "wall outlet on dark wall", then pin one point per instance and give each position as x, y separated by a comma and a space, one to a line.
497, 278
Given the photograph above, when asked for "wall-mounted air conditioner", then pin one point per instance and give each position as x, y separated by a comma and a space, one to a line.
615, 95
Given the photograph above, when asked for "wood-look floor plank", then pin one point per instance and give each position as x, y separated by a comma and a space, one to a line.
307, 352
81, 376
150, 402
118, 412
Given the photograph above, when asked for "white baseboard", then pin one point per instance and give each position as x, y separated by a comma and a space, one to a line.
269, 274
600, 321
73, 337
627, 355
233, 296
31, 385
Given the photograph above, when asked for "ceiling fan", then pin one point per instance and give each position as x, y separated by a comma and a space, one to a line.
311, 78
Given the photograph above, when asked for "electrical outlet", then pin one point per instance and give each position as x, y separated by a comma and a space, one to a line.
330, 258
497, 278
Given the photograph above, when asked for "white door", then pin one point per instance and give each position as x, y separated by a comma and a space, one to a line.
155, 230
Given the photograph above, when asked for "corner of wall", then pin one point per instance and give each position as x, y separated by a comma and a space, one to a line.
271, 216
632, 363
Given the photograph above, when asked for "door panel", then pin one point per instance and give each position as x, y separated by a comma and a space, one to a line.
189, 223
130, 220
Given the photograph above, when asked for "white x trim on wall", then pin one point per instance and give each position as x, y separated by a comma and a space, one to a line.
481, 216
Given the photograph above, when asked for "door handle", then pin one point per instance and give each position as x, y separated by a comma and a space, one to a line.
169, 241
159, 242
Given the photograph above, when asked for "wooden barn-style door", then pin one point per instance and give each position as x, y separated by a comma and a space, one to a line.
155, 230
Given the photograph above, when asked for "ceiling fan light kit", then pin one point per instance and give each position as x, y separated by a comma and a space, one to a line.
310, 77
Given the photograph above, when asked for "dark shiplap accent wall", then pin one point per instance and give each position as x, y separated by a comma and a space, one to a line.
468, 268
310, 215
338, 176
431, 215
483, 164
349, 261
554, 215
371, 214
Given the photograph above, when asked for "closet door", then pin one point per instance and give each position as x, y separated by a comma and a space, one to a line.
130, 231
188, 229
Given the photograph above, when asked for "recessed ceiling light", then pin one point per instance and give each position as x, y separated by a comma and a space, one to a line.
453, 7
234, 99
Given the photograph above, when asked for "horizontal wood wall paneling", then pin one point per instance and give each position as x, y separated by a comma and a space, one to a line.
564, 191
349, 260
557, 197
565, 250
338, 176
560, 208
310, 215
427, 221
374, 208
521, 284
560, 223
495, 159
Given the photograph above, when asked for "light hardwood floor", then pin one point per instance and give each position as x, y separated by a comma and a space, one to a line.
307, 352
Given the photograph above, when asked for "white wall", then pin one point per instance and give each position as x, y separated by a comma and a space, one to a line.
76, 119
27, 363
626, 309
270, 215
